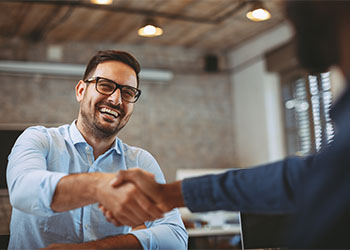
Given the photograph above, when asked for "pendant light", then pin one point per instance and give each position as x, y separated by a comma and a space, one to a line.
258, 12
102, 1
150, 29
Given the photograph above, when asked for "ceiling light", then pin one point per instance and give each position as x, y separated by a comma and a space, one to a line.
101, 1
258, 12
150, 29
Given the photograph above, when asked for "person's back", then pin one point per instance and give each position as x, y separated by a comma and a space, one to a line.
323, 38
323, 213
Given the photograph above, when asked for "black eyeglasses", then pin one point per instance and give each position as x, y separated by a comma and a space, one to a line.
106, 86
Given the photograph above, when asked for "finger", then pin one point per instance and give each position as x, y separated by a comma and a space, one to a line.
126, 214
141, 215
130, 212
145, 181
116, 223
148, 207
144, 208
128, 218
135, 175
102, 208
118, 179
109, 216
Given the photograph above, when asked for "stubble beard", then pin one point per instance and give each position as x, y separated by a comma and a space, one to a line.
93, 126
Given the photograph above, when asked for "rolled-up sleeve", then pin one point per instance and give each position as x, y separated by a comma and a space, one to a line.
31, 186
166, 233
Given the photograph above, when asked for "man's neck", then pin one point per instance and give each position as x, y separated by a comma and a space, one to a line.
99, 145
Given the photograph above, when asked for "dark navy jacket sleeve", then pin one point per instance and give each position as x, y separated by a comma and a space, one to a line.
269, 188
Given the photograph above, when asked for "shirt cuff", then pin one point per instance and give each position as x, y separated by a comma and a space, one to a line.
197, 193
145, 238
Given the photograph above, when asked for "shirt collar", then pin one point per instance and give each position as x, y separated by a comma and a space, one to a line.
78, 138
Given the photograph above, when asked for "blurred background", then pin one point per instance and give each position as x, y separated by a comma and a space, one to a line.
219, 90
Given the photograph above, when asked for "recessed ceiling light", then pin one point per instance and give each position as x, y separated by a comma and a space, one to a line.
101, 1
150, 29
258, 13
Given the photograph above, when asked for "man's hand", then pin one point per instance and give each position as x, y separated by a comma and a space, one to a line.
164, 196
146, 182
126, 204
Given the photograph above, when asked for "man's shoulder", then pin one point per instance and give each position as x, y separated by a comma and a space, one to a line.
47, 132
41, 128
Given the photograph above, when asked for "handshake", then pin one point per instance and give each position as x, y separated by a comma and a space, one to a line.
133, 197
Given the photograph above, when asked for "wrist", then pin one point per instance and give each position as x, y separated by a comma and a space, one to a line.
101, 184
173, 194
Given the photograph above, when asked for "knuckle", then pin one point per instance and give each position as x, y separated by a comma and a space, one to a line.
148, 206
132, 190
121, 207
121, 173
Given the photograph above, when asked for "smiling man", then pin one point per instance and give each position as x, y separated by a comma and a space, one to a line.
57, 177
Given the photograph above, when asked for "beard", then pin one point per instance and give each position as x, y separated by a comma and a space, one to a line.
95, 127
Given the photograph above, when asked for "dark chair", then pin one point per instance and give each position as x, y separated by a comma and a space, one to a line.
264, 231
4, 241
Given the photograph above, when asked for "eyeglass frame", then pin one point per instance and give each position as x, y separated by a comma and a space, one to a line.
117, 86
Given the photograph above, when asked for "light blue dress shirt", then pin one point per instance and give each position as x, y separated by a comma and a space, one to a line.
40, 158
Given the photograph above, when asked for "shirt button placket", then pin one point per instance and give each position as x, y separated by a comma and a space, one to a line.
88, 155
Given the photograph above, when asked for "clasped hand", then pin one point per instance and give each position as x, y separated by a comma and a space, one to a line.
133, 197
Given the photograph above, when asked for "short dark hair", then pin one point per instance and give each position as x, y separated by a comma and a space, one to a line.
316, 24
112, 55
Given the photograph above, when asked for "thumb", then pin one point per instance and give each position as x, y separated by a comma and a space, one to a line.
118, 179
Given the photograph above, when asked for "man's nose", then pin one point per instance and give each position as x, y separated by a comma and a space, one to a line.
116, 97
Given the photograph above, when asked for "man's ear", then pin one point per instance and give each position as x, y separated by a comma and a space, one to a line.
80, 90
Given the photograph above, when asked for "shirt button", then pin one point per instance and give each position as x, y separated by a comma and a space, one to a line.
87, 149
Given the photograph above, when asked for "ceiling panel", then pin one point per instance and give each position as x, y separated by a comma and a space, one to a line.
204, 24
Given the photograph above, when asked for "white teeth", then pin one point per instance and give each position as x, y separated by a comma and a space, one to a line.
109, 111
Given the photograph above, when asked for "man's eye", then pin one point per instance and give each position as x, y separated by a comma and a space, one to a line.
106, 86
129, 92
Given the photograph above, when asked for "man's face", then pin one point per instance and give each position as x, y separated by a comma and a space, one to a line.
105, 115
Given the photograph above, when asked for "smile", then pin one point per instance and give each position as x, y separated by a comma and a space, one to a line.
109, 112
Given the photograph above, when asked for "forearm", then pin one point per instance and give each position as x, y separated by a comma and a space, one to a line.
127, 241
270, 188
77, 190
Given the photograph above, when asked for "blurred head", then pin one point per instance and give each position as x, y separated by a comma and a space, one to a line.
317, 31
